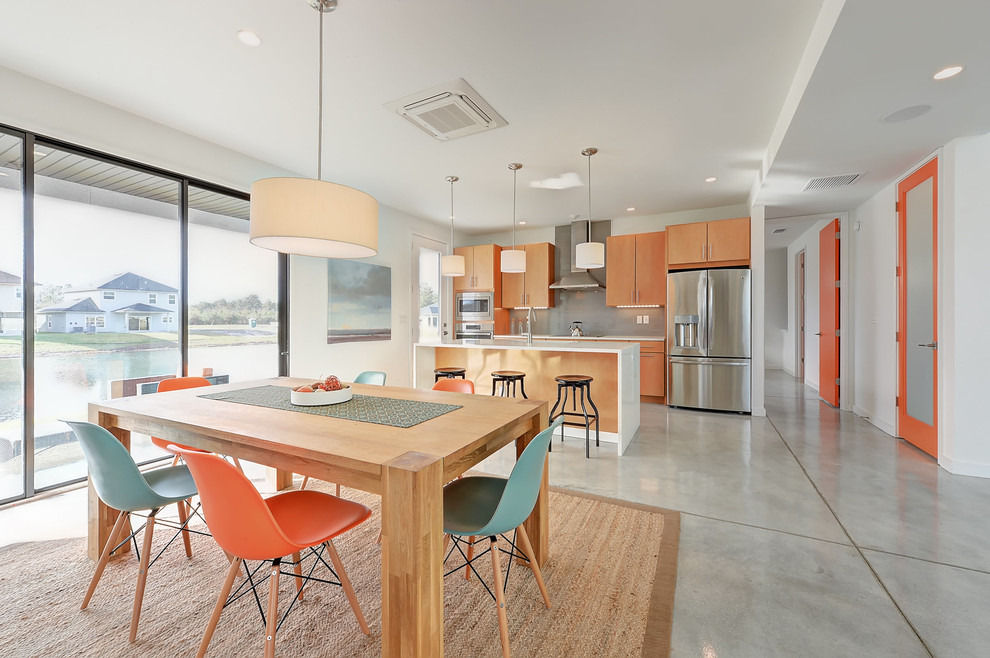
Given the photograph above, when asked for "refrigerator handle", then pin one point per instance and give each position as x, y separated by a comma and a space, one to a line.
706, 311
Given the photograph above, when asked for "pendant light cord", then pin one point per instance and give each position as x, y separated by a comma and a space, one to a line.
319, 141
589, 197
514, 172
450, 247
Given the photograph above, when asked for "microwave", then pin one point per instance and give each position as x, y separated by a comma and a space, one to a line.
474, 307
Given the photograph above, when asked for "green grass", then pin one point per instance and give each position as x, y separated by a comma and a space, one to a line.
47, 344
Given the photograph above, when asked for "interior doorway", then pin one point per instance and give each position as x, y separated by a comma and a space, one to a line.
917, 299
801, 289
828, 313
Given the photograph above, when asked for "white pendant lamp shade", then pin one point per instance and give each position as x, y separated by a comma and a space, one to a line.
452, 265
313, 218
513, 261
589, 255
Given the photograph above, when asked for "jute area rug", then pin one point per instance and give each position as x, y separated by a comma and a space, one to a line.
610, 575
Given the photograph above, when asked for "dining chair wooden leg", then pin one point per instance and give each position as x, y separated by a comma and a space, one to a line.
338, 491
235, 567
149, 531
304, 482
183, 518
348, 590
272, 611
175, 460
118, 527
470, 556
446, 544
297, 569
237, 463
533, 564
503, 619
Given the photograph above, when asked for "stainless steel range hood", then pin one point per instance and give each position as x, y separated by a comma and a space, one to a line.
567, 239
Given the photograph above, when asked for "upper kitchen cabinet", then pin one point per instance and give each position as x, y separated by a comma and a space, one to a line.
532, 287
637, 270
481, 270
724, 242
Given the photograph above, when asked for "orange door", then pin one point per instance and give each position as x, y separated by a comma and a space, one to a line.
917, 293
828, 313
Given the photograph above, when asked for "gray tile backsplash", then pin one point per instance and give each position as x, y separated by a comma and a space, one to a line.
596, 318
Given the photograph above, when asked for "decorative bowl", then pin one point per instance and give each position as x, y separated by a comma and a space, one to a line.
318, 398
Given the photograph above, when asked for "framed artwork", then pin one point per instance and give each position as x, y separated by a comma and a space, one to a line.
359, 304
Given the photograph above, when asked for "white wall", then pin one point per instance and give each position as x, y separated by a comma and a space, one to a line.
964, 315
776, 299
874, 247
309, 354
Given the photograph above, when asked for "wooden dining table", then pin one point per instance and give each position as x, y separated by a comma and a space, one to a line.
407, 466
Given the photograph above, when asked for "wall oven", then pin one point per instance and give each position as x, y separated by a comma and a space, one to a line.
474, 307
474, 330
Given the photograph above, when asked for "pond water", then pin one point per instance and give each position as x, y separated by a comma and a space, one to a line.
66, 383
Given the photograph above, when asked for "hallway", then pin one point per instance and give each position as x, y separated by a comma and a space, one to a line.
806, 533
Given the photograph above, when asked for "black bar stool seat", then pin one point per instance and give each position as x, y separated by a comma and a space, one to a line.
506, 378
449, 373
572, 386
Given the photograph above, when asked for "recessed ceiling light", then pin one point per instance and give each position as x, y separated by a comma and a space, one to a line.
3, 173
249, 38
40, 154
905, 113
948, 72
522, 223
630, 209
710, 179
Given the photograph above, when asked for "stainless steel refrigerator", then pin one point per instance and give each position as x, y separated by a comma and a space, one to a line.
709, 316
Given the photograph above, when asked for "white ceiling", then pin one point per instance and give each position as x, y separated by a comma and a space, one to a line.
669, 92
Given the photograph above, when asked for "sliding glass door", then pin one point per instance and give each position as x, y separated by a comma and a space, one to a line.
12, 456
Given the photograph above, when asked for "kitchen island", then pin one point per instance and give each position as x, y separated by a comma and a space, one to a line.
613, 365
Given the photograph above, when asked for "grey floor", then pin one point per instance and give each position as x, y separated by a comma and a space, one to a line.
806, 533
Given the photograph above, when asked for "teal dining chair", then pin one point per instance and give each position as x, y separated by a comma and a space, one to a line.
120, 485
376, 377
483, 506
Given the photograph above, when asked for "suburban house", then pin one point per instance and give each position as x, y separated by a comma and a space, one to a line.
127, 302
11, 294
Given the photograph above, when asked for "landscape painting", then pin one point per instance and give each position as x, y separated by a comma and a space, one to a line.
360, 302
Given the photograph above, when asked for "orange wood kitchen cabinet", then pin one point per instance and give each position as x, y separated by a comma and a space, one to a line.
719, 243
481, 270
652, 369
532, 287
637, 270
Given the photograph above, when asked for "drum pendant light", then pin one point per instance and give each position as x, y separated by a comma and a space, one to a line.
451, 264
589, 255
313, 217
513, 260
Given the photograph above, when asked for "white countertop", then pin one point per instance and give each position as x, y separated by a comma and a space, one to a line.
570, 345
569, 338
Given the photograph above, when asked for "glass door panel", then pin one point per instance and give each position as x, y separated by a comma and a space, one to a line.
12, 454
233, 292
920, 327
107, 264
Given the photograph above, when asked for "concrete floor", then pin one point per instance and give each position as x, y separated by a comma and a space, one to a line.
806, 533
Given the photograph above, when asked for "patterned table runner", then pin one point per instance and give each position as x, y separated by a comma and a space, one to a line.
363, 408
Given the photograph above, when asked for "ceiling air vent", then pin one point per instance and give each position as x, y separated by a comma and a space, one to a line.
778, 230
448, 111
829, 182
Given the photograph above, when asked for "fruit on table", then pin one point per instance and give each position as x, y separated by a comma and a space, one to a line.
331, 383
304, 389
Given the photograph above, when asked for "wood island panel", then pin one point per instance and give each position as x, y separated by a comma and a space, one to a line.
541, 367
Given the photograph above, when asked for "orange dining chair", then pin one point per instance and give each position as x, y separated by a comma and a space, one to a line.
250, 527
178, 384
454, 385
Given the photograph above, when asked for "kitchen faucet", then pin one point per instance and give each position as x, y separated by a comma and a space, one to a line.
530, 314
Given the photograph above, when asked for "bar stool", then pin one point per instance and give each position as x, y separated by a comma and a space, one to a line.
507, 378
449, 373
572, 385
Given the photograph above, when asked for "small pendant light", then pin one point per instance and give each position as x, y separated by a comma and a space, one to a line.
513, 260
451, 264
589, 255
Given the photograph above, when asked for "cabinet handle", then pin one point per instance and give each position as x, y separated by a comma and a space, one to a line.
703, 251
637, 296
632, 300
710, 251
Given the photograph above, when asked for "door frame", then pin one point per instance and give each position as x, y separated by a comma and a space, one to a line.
904, 424
445, 294
802, 295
